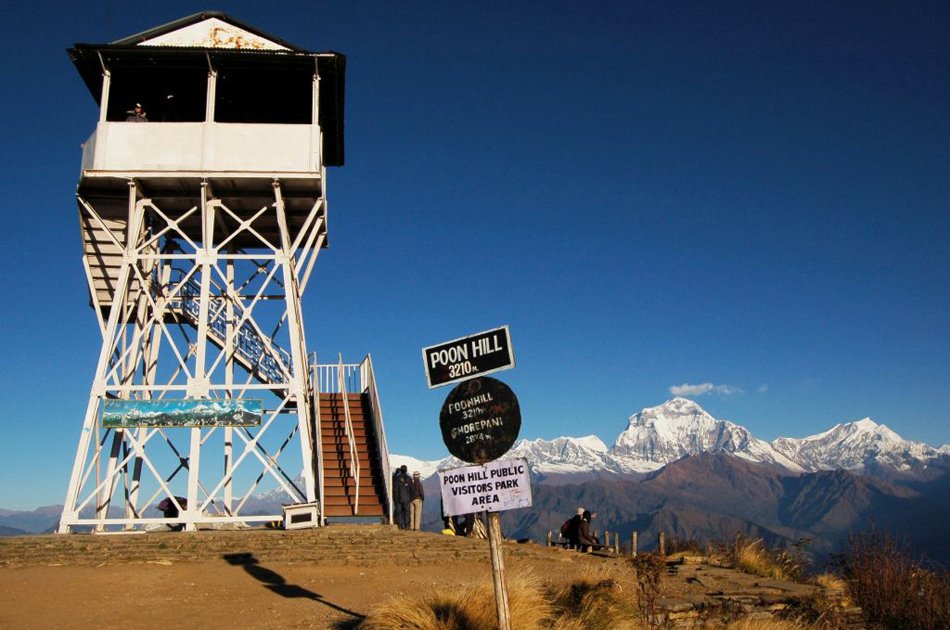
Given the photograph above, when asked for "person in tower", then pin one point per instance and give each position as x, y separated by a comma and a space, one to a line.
402, 496
136, 114
415, 503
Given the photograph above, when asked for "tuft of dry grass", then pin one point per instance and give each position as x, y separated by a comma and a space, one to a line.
752, 556
764, 624
471, 609
593, 602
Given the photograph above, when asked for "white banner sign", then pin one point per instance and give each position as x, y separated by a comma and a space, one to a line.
503, 484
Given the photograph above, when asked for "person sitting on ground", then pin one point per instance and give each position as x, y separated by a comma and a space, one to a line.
585, 537
572, 529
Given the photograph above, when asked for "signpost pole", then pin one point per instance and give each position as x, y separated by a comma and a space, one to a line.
498, 571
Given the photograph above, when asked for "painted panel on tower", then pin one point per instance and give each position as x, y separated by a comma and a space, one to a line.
190, 412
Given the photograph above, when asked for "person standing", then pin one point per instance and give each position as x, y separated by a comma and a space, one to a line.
415, 506
402, 496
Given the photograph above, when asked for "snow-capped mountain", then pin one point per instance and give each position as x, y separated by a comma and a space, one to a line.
657, 436
563, 454
412, 464
858, 446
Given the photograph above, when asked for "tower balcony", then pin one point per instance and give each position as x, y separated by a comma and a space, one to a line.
202, 149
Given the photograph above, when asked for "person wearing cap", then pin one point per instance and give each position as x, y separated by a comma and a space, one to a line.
415, 505
572, 529
136, 114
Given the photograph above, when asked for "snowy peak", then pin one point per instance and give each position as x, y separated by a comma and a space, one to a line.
672, 417
679, 427
563, 454
858, 446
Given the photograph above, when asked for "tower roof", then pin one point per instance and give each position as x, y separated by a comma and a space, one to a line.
214, 39
208, 29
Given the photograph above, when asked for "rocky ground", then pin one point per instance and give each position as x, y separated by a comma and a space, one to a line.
321, 578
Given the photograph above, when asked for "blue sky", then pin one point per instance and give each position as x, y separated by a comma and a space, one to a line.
650, 194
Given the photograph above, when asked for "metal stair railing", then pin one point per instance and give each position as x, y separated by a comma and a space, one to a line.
248, 344
368, 380
350, 437
318, 435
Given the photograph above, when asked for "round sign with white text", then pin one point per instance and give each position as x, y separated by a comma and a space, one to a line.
480, 420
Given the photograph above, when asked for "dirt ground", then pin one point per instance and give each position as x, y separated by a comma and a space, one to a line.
330, 577
240, 590
209, 594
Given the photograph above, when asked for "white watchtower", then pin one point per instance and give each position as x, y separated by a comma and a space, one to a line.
200, 229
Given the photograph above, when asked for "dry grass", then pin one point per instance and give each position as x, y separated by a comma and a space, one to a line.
753, 557
593, 602
765, 624
892, 589
471, 609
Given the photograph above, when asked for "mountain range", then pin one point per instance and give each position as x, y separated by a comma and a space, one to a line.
677, 469
661, 435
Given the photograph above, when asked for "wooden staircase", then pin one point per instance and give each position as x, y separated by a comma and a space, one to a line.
339, 486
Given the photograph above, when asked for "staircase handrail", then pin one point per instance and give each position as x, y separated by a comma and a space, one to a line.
368, 381
350, 437
249, 344
317, 432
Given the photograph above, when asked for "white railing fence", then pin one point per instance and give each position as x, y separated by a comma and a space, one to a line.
360, 378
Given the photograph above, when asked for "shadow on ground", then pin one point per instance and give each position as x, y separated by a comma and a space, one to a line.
278, 584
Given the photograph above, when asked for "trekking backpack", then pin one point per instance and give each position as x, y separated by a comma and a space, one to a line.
566, 527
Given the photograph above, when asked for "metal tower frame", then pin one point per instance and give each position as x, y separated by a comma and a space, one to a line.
195, 318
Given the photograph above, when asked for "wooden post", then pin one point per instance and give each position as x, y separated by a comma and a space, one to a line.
662, 544
617, 543
606, 538
498, 571
550, 538
633, 544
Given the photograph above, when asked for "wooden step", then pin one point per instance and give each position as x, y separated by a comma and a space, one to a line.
334, 446
339, 491
366, 498
365, 510
336, 434
343, 458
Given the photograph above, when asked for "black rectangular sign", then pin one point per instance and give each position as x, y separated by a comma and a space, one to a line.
468, 357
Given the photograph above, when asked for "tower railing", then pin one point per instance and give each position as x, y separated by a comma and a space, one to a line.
368, 376
350, 437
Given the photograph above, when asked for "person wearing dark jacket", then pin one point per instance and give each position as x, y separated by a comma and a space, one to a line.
402, 496
415, 503
136, 114
574, 529
584, 535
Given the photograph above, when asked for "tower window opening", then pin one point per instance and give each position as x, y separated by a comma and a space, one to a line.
264, 94
166, 94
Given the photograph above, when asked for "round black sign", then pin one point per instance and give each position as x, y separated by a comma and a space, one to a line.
480, 420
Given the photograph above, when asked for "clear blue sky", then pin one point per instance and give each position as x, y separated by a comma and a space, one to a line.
650, 194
